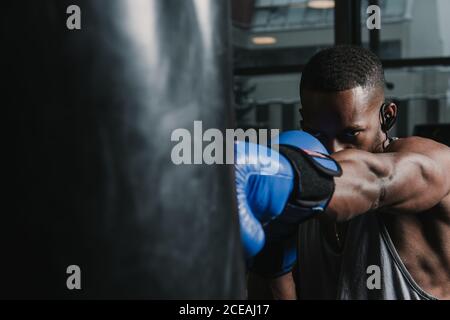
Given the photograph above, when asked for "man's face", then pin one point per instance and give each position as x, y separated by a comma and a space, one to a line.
344, 119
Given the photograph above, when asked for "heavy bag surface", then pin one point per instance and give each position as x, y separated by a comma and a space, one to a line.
95, 186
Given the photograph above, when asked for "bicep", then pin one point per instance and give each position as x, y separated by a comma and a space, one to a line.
411, 177
416, 182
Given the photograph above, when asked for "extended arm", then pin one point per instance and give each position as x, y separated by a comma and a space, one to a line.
412, 176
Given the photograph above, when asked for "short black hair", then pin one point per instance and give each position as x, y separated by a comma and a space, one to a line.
341, 68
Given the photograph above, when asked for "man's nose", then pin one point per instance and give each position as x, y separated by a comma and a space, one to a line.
334, 146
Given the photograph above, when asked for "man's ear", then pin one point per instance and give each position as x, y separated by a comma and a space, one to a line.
388, 116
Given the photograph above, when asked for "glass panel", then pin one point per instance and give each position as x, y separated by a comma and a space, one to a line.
282, 32
423, 97
412, 28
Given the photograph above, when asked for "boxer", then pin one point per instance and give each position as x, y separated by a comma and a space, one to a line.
378, 208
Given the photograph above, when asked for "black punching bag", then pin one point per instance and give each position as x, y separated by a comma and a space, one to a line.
95, 187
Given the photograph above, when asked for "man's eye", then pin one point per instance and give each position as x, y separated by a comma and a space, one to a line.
352, 134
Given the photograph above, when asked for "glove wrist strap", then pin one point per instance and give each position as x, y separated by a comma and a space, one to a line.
315, 174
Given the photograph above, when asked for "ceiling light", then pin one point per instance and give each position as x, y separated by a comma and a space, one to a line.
264, 40
321, 4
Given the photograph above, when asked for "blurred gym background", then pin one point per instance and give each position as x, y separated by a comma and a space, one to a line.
273, 39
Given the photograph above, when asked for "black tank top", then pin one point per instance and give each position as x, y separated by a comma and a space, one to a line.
324, 274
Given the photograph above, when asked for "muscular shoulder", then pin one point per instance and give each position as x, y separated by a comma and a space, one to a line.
420, 145
432, 155
422, 148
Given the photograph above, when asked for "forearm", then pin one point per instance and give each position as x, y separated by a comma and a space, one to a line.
360, 187
280, 288
283, 288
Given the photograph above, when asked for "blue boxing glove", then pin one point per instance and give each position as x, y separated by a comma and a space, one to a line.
264, 181
314, 189
306, 187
